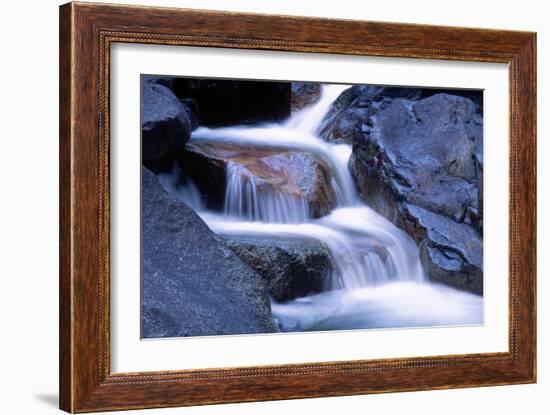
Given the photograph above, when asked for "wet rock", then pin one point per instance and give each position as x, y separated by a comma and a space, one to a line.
452, 253
474, 95
192, 283
208, 170
304, 94
413, 150
424, 154
344, 123
165, 126
291, 268
293, 173
347, 119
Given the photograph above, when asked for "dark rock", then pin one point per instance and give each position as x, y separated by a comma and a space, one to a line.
424, 154
220, 102
192, 283
165, 126
291, 268
427, 153
292, 173
346, 128
451, 252
208, 172
343, 122
476, 96
348, 117
304, 94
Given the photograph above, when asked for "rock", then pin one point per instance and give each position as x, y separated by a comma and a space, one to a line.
192, 283
422, 155
344, 129
304, 94
293, 173
223, 102
165, 126
475, 95
451, 252
342, 124
206, 165
291, 268
427, 153
347, 119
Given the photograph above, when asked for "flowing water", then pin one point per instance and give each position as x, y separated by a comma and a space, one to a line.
377, 279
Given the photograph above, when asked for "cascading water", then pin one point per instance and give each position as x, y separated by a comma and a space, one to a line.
377, 278
244, 198
309, 119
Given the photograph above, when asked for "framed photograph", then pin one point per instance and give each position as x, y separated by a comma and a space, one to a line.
258, 207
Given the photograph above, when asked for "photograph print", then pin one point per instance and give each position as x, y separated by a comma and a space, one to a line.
280, 206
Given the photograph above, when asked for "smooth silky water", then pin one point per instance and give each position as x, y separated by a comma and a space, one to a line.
368, 288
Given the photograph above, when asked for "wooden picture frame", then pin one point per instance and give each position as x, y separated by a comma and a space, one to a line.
86, 33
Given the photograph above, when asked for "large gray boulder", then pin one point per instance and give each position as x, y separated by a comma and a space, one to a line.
417, 160
291, 268
192, 283
165, 125
424, 153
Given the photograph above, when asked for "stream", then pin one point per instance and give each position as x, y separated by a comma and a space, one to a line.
377, 279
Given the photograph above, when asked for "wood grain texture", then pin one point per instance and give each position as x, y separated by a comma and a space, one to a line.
86, 33
65, 248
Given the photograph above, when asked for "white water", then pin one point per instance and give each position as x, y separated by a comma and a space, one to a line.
377, 278
244, 198
395, 304
349, 234
308, 119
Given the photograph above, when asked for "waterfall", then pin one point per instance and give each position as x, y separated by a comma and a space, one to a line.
253, 211
244, 198
367, 251
343, 232
277, 137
